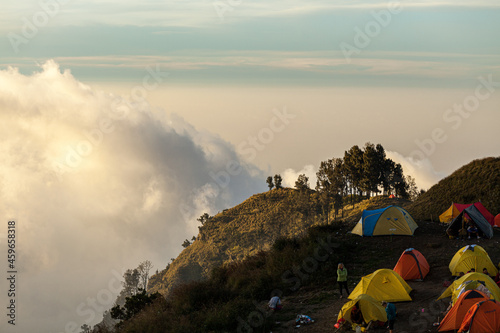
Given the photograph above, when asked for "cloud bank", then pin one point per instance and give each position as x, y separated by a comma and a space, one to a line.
98, 183
422, 170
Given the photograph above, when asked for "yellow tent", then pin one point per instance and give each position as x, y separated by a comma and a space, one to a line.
391, 220
449, 214
464, 282
383, 285
472, 256
370, 308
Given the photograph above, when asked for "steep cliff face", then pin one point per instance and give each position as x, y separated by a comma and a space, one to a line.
243, 230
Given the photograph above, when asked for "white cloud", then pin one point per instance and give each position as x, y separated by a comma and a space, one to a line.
290, 176
423, 171
97, 185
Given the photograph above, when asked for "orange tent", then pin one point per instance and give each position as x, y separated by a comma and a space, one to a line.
412, 265
497, 221
456, 315
482, 317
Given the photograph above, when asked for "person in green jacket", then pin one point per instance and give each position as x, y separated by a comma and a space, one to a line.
342, 278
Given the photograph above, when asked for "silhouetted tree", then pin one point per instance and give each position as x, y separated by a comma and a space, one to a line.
353, 167
324, 186
269, 182
370, 180
400, 187
389, 174
277, 181
338, 183
380, 166
412, 188
133, 305
302, 183
131, 281
143, 269
85, 328
186, 243
204, 218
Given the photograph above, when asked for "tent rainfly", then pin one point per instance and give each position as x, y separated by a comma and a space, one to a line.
458, 286
383, 285
391, 220
370, 309
412, 265
482, 317
472, 256
455, 316
484, 227
456, 208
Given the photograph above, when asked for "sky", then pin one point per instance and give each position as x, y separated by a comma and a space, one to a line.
122, 122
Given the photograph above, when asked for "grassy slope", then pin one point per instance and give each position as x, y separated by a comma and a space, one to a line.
476, 181
236, 233
255, 224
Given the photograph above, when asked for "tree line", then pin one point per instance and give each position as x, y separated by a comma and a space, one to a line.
361, 171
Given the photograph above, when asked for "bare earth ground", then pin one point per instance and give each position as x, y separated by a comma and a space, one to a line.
322, 302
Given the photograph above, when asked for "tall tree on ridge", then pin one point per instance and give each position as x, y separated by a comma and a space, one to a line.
370, 178
277, 181
353, 167
389, 176
338, 184
269, 182
324, 186
302, 183
400, 186
380, 165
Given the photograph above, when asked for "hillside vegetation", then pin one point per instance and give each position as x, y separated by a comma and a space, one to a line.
256, 223
265, 245
476, 181
241, 231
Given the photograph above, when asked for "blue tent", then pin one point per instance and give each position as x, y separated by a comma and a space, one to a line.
391, 220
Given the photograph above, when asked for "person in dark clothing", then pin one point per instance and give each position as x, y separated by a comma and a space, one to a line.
356, 315
390, 309
472, 230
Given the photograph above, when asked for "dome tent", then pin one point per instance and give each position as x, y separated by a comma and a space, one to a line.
482, 317
471, 256
458, 285
412, 265
455, 316
391, 220
370, 309
383, 285
496, 221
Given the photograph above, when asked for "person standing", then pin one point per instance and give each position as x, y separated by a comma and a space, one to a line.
390, 309
342, 278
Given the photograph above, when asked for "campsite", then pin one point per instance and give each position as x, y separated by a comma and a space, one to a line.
424, 311
371, 237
